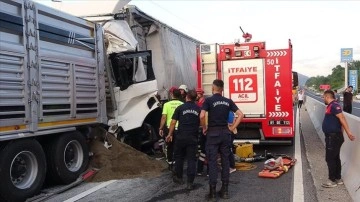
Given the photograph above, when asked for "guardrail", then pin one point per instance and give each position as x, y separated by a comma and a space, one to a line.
350, 151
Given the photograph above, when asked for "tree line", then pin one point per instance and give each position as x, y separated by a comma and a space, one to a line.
336, 79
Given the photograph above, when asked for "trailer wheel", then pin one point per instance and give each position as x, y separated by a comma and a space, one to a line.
22, 169
68, 157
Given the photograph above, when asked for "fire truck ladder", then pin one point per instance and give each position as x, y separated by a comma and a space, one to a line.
208, 54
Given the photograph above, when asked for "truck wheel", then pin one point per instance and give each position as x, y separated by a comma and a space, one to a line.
68, 157
22, 170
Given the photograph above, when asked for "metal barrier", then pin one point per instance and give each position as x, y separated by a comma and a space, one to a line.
350, 151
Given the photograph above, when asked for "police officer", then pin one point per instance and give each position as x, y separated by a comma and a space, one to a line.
334, 122
218, 135
186, 140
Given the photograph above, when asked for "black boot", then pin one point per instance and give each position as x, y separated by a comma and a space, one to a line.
190, 182
224, 193
212, 194
190, 186
178, 180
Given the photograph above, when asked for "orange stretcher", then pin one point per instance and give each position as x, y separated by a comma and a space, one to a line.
288, 162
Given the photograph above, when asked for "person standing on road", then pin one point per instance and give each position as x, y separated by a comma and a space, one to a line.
167, 113
333, 125
300, 98
202, 138
187, 138
348, 98
231, 120
183, 90
337, 96
218, 136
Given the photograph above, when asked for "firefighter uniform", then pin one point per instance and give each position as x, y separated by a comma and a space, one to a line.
334, 138
185, 146
202, 138
218, 135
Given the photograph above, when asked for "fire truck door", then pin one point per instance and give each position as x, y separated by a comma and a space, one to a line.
244, 84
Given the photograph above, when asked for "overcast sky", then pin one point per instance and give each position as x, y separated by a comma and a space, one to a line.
318, 29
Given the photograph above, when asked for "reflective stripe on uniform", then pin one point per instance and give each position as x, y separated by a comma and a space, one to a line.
170, 162
202, 157
161, 142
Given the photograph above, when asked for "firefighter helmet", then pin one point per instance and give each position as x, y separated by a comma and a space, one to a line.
200, 90
171, 90
183, 87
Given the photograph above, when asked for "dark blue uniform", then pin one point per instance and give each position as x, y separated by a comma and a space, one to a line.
186, 140
218, 135
334, 138
232, 138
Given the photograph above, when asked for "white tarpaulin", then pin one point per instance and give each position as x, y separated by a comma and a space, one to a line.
174, 58
119, 37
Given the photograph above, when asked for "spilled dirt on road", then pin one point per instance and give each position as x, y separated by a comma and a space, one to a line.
121, 161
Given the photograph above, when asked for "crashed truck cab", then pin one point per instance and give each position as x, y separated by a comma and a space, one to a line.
260, 83
135, 107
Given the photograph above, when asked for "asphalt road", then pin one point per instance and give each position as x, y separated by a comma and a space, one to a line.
356, 103
244, 185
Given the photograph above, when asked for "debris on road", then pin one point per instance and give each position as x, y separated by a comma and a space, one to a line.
121, 161
46, 196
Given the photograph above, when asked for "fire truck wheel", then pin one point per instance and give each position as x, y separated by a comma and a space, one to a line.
68, 157
22, 170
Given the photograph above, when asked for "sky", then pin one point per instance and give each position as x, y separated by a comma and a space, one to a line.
317, 29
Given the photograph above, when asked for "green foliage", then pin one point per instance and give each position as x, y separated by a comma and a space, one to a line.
336, 78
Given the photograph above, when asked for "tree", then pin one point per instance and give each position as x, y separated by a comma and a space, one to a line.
336, 78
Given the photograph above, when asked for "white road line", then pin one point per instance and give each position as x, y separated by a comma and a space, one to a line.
298, 187
83, 194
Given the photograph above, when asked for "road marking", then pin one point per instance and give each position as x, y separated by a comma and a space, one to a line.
94, 189
298, 188
356, 107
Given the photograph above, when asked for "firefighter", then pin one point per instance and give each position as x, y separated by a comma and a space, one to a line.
218, 136
187, 115
167, 113
200, 97
231, 120
333, 125
202, 139
183, 90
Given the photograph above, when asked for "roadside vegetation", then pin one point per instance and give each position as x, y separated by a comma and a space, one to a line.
335, 79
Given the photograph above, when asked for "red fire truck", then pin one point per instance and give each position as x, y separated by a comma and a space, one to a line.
259, 81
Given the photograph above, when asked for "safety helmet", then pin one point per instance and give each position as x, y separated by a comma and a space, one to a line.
171, 90
183, 87
200, 90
